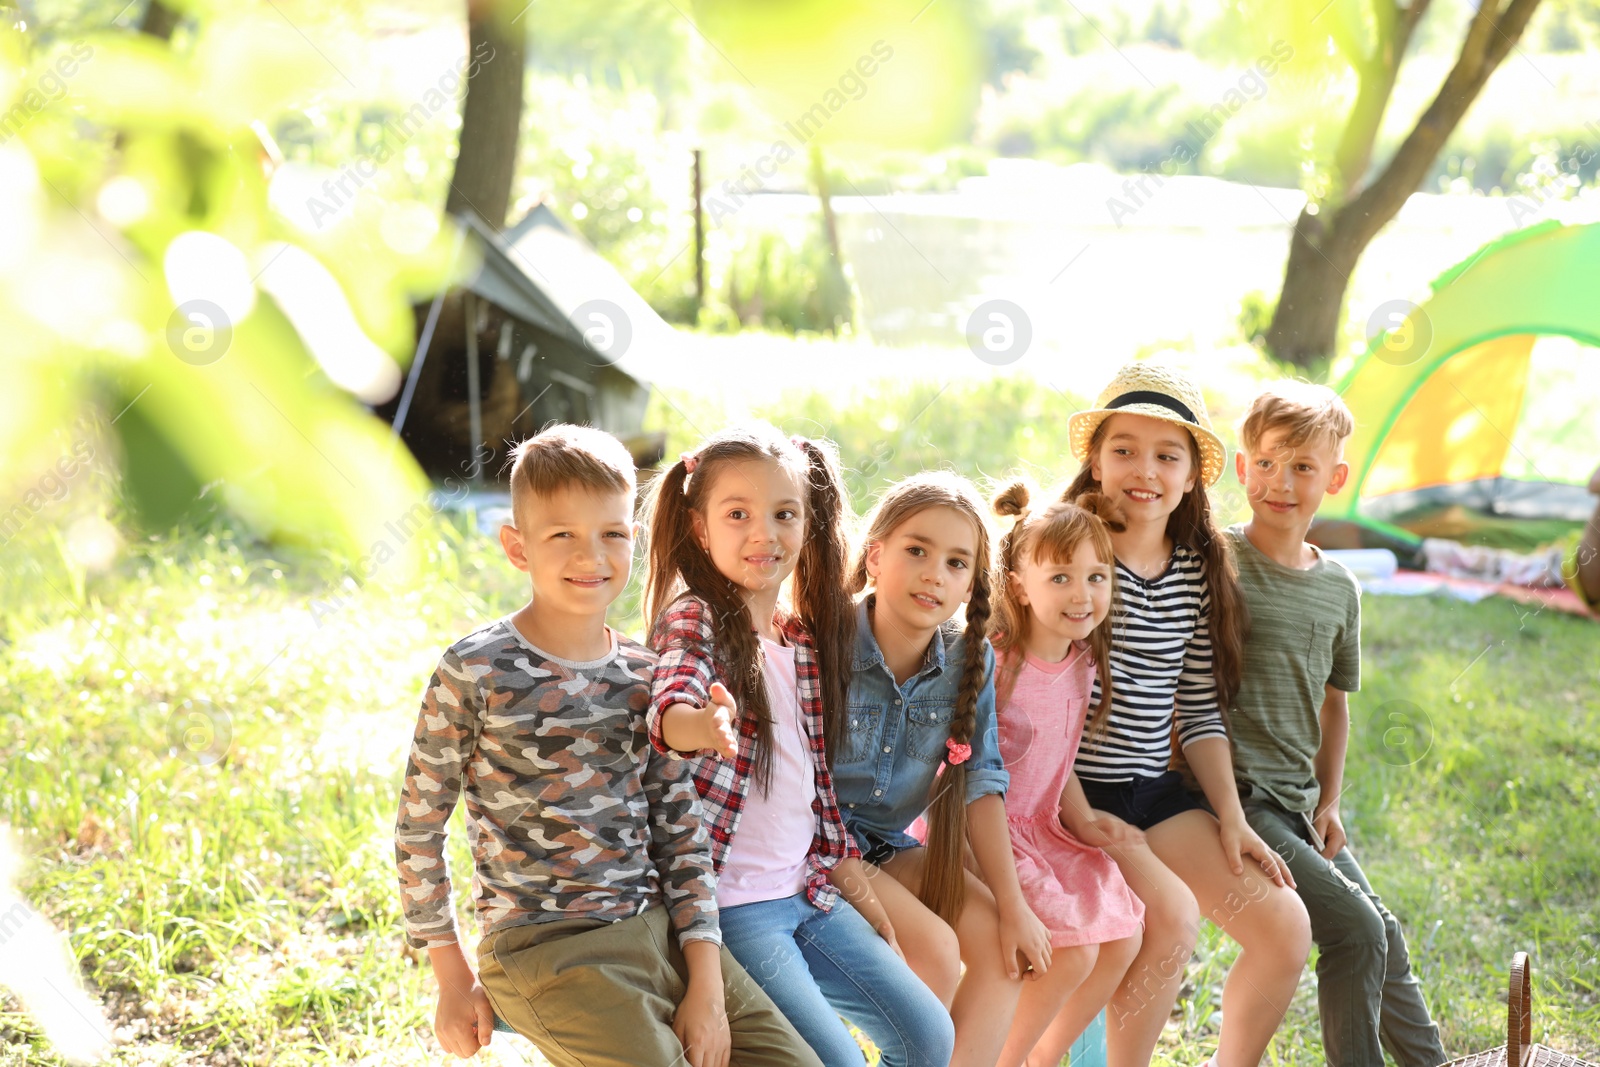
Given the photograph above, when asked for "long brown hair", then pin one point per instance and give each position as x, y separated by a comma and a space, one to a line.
1050, 534
943, 876
678, 565
1191, 523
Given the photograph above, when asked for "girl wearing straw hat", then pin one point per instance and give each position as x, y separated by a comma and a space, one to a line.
1177, 636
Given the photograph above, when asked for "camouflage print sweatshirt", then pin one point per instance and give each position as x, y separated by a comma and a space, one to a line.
570, 812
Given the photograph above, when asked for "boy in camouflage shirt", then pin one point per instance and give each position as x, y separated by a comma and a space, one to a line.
588, 846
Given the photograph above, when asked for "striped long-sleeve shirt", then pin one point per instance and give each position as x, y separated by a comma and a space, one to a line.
570, 812
1160, 667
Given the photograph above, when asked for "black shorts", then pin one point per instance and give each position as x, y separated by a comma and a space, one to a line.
1143, 802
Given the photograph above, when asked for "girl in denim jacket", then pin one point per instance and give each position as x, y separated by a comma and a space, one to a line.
918, 735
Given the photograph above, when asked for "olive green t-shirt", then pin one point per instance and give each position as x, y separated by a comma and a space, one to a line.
1305, 634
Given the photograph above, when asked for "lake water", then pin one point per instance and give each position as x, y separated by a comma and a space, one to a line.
1102, 271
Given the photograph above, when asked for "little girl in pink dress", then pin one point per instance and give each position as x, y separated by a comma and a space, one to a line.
1052, 592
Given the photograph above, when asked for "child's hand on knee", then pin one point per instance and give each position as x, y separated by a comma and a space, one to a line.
464, 1020
1113, 832
701, 1025
1238, 841
1024, 943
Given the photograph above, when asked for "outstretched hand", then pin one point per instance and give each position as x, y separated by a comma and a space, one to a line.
687, 728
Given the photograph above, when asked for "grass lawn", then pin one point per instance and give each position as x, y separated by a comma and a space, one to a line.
200, 753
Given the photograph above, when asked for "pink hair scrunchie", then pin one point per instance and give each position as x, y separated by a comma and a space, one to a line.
959, 753
691, 460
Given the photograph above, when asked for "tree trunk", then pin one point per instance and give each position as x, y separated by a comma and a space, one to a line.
835, 295
1325, 247
1305, 325
491, 116
830, 225
159, 21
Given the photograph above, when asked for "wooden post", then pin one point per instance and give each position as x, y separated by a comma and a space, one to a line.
699, 239
469, 302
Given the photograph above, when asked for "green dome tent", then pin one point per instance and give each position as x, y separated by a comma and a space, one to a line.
1438, 396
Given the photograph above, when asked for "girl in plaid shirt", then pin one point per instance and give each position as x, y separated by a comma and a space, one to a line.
741, 688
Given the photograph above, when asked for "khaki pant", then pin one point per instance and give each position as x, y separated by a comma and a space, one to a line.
591, 993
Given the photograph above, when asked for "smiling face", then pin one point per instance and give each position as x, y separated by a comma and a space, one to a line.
923, 570
576, 544
1286, 483
1145, 465
1065, 600
753, 524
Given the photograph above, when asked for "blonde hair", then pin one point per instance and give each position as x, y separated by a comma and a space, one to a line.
564, 456
1050, 534
1305, 411
943, 879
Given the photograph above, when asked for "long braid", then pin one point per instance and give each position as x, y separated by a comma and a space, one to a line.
944, 880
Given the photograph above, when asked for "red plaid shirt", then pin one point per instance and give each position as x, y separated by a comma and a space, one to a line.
684, 676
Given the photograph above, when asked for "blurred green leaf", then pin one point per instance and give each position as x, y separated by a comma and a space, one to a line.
904, 72
145, 184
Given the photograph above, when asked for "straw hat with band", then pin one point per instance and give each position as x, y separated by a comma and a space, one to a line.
1160, 392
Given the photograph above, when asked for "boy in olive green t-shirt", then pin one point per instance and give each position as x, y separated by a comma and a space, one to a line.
1291, 721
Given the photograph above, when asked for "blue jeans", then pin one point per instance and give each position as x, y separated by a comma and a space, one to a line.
818, 965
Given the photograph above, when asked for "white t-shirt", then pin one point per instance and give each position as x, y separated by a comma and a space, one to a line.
767, 856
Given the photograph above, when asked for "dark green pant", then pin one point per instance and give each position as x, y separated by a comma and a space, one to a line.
1366, 994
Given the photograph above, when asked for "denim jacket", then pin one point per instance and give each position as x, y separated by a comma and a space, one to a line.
894, 737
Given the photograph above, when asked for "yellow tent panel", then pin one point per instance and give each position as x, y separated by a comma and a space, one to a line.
1458, 426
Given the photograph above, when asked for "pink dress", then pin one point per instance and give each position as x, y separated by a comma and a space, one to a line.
1075, 889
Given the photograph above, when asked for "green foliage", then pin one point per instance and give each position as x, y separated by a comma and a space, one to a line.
626, 45
987, 429
600, 158
1255, 315
131, 181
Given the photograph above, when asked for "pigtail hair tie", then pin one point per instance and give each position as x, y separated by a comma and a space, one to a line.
690, 461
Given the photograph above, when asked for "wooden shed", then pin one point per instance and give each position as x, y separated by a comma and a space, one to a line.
541, 330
